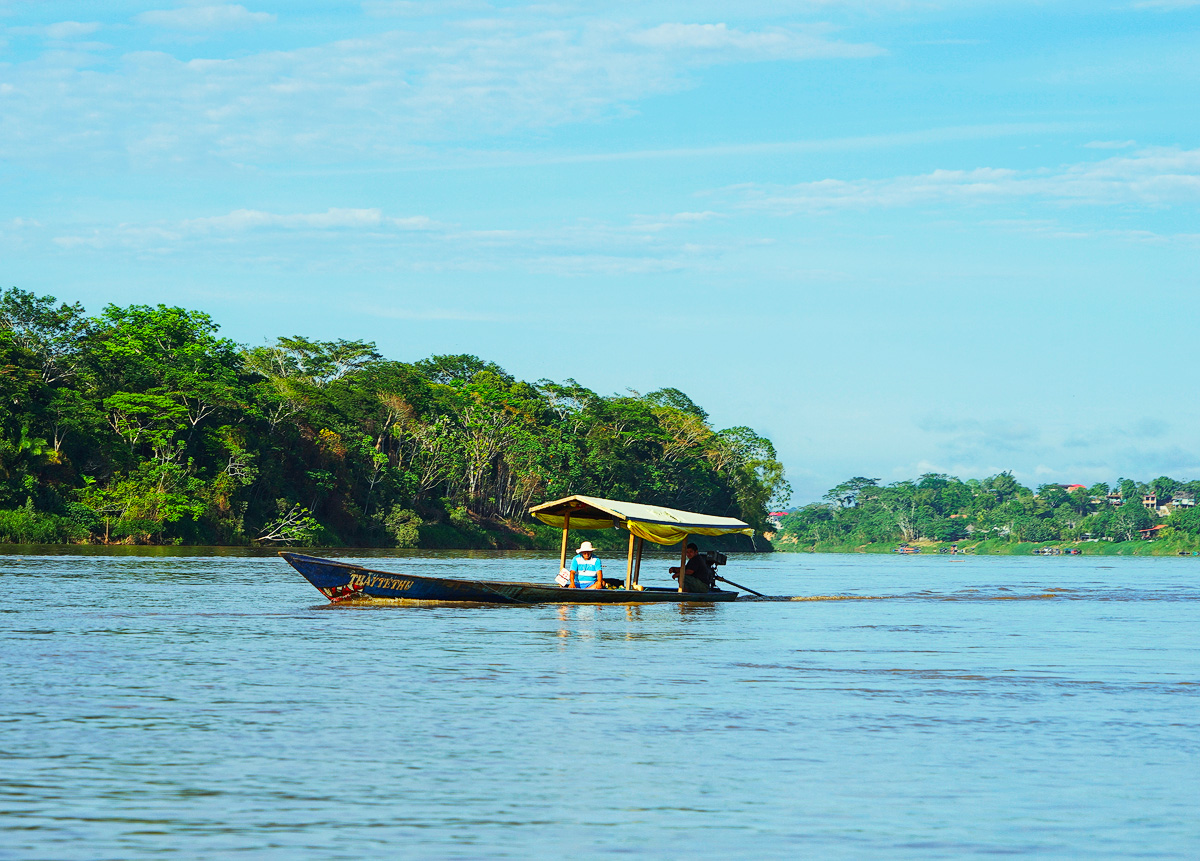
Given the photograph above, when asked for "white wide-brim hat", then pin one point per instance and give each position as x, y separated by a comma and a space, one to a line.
587, 545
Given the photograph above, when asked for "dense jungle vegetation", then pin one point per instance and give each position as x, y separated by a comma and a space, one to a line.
143, 425
942, 508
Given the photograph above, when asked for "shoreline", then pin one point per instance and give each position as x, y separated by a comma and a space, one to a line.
995, 547
535, 538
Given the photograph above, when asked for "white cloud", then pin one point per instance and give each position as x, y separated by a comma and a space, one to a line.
1166, 5
1051, 228
250, 219
773, 43
922, 137
1110, 144
240, 222
331, 219
71, 29
425, 8
226, 17
580, 265
1150, 177
382, 97
1139, 431
416, 222
372, 239
123, 235
967, 438
648, 224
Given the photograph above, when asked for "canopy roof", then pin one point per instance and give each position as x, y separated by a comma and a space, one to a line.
651, 522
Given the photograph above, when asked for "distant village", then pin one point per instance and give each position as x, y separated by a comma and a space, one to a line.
1162, 505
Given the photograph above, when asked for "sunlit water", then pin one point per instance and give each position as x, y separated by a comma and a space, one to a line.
209, 706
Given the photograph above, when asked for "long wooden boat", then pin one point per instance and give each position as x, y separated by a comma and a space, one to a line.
339, 581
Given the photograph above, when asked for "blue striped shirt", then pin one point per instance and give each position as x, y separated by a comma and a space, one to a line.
586, 570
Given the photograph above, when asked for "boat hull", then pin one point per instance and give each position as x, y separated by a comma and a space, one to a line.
340, 581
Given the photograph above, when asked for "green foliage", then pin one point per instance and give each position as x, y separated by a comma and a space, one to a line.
316, 363
462, 368
846, 494
674, 399
940, 508
143, 425
292, 525
1164, 486
1130, 518
810, 524
53, 335
404, 525
24, 525
1130, 489
1187, 521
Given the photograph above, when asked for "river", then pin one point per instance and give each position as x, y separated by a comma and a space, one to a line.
201, 706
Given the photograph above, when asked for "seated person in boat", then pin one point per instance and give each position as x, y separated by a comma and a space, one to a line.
699, 577
586, 570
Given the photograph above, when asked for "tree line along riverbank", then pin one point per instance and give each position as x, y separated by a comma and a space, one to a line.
939, 512
1000, 547
142, 425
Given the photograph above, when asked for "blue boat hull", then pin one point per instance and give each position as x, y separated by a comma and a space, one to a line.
339, 581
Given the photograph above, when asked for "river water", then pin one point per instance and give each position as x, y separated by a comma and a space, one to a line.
206, 706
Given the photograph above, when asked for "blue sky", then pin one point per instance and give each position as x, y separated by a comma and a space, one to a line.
895, 237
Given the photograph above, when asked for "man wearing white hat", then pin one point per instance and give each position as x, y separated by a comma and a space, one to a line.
586, 571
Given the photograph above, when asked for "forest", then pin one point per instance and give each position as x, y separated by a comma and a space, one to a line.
942, 508
142, 425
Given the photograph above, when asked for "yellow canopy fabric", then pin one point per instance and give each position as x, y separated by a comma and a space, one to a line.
651, 522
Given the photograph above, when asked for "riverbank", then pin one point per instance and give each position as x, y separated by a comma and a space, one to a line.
999, 547
464, 535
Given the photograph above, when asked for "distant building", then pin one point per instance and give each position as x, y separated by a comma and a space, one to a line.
1183, 499
1114, 499
1150, 501
1151, 533
775, 518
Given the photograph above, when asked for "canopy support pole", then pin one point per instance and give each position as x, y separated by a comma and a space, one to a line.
637, 565
629, 562
682, 562
562, 556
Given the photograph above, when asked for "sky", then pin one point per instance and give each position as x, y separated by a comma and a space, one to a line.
894, 237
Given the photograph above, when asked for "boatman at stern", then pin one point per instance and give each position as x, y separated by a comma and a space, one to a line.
699, 577
586, 571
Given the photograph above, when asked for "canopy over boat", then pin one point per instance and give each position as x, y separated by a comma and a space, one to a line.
650, 522
644, 523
